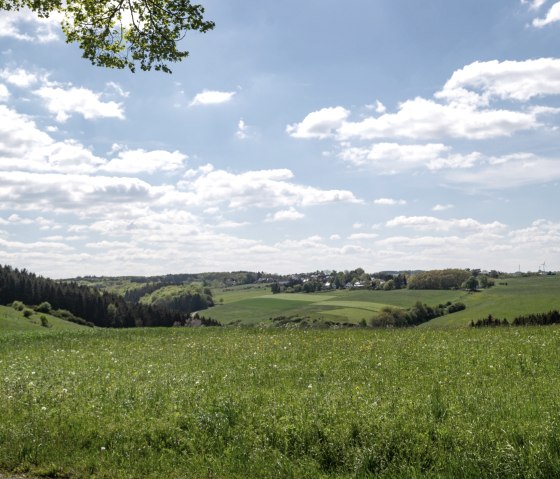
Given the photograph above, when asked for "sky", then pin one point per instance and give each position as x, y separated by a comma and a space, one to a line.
297, 136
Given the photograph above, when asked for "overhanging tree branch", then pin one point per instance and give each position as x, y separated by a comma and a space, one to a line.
124, 33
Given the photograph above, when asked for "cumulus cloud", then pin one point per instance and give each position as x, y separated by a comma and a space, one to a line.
25, 25
63, 103
78, 194
23, 146
391, 158
19, 77
320, 124
142, 161
481, 82
552, 16
462, 109
212, 97
261, 188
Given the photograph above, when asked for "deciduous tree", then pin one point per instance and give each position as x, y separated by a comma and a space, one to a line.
124, 33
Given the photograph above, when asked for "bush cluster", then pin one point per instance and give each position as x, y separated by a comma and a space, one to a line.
418, 314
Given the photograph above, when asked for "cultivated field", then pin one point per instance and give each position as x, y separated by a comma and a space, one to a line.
238, 403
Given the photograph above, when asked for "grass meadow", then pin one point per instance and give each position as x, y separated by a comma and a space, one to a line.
276, 403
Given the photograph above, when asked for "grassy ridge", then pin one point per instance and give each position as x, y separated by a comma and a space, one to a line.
14, 321
274, 404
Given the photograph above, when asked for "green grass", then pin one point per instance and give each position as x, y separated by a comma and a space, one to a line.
250, 403
14, 321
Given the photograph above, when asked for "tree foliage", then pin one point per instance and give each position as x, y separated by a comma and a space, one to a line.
124, 33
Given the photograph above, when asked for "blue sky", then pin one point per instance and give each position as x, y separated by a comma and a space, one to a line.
387, 134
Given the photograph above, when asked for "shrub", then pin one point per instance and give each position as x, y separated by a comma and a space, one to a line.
18, 305
44, 321
44, 307
27, 313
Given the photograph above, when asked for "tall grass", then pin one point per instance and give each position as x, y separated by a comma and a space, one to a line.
248, 403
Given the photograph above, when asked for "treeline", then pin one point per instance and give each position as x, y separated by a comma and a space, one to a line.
217, 279
134, 295
439, 279
101, 309
534, 319
418, 314
185, 298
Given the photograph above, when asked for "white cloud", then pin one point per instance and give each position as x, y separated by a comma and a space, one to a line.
534, 4
552, 16
23, 146
362, 236
118, 89
242, 130
77, 194
507, 80
261, 188
440, 207
65, 102
19, 77
539, 233
389, 202
4, 92
426, 119
26, 26
212, 97
290, 214
431, 223
509, 171
417, 119
391, 158
460, 110
377, 106
319, 124
141, 161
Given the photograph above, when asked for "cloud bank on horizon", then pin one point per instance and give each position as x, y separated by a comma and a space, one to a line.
298, 152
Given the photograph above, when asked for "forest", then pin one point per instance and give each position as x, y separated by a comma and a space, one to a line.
100, 308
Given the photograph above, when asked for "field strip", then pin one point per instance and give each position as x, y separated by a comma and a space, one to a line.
304, 297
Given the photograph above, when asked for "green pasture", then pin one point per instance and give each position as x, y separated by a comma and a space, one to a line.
250, 306
521, 296
273, 403
238, 293
14, 321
